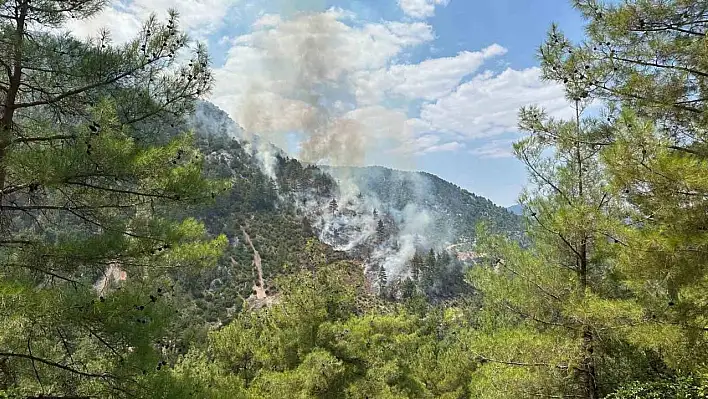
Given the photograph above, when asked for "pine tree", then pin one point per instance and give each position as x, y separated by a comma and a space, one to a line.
333, 206
408, 289
557, 295
90, 173
634, 250
329, 337
416, 267
647, 59
307, 227
380, 231
382, 281
429, 273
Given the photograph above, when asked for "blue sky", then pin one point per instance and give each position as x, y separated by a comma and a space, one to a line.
429, 85
520, 26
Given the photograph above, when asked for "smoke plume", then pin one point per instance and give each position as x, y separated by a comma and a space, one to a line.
307, 88
304, 86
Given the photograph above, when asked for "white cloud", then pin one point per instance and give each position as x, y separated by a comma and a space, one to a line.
420, 8
122, 24
495, 149
335, 74
488, 104
428, 80
451, 146
267, 21
123, 19
426, 141
297, 75
314, 71
224, 40
429, 143
319, 48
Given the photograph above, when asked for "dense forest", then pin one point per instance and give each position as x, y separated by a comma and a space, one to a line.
148, 249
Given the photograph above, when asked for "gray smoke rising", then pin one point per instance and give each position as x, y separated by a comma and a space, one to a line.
209, 118
304, 87
308, 89
411, 224
352, 226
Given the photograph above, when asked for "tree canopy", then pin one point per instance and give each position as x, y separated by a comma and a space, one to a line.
144, 254
86, 186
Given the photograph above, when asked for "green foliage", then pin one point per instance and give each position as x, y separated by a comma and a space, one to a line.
681, 388
612, 288
87, 188
111, 217
326, 336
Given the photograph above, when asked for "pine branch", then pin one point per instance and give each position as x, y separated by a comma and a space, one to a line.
7, 68
558, 233
662, 66
87, 87
545, 180
522, 364
120, 191
106, 228
47, 272
688, 150
34, 366
65, 208
57, 365
534, 318
103, 341
16, 242
669, 27
525, 278
47, 138
638, 97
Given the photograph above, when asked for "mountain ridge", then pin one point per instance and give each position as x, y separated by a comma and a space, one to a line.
377, 214
231, 128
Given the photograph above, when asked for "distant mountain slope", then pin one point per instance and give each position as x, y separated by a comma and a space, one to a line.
378, 216
516, 209
455, 212
210, 120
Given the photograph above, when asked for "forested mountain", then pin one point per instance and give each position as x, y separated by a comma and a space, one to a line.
281, 203
454, 212
148, 249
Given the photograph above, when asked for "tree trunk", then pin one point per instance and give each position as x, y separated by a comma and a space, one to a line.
589, 376
587, 366
15, 79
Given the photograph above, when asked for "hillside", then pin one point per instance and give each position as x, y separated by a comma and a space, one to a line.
454, 212
151, 248
431, 207
253, 207
378, 216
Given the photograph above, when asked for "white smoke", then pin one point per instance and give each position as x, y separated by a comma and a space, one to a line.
352, 227
303, 78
